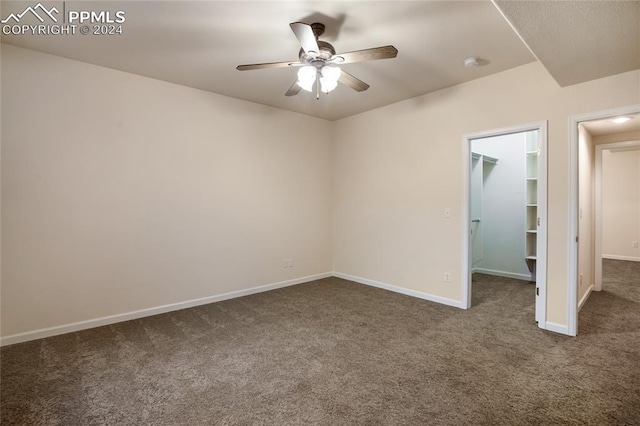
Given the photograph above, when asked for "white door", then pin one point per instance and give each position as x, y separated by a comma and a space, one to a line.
538, 144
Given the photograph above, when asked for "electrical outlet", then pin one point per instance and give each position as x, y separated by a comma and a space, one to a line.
447, 277
634, 244
447, 213
287, 263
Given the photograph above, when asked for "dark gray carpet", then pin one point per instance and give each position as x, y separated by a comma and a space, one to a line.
333, 352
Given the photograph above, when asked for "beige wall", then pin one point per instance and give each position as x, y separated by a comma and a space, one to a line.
616, 137
586, 165
620, 204
398, 167
121, 193
623, 242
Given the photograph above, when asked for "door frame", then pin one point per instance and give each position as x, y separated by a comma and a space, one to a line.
541, 262
574, 211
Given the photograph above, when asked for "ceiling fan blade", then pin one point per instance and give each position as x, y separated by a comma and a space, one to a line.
383, 52
305, 36
349, 80
294, 89
268, 65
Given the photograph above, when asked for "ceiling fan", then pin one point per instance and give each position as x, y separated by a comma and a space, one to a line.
319, 62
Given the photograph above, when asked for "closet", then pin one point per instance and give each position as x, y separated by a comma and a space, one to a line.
503, 203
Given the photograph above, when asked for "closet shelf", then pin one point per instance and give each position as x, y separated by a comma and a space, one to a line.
531, 199
485, 158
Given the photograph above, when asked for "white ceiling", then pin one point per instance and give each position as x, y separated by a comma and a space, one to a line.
579, 41
199, 44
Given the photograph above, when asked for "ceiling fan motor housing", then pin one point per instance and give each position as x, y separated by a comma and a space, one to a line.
327, 51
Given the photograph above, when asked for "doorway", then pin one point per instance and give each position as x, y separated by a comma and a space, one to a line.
617, 216
505, 205
578, 238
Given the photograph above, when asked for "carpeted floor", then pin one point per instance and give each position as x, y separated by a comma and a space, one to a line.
333, 352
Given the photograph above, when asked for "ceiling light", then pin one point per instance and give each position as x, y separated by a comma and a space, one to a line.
306, 77
329, 76
620, 120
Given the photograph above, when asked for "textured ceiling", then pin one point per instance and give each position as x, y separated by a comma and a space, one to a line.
199, 44
579, 41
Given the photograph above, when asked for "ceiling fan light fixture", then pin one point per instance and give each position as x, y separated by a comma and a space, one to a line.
329, 76
307, 77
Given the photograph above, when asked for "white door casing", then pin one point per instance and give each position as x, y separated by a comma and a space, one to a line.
572, 237
541, 264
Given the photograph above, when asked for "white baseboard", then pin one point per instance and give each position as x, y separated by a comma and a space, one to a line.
585, 297
505, 274
401, 290
616, 257
556, 328
112, 319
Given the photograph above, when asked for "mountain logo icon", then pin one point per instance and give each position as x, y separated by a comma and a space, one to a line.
38, 11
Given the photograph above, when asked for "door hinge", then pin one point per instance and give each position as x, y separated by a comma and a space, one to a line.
576, 238
537, 291
538, 221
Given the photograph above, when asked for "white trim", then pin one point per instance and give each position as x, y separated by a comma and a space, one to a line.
616, 257
541, 249
401, 290
504, 274
112, 319
572, 245
557, 328
597, 220
541, 262
520, 128
585, 297
466, 220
